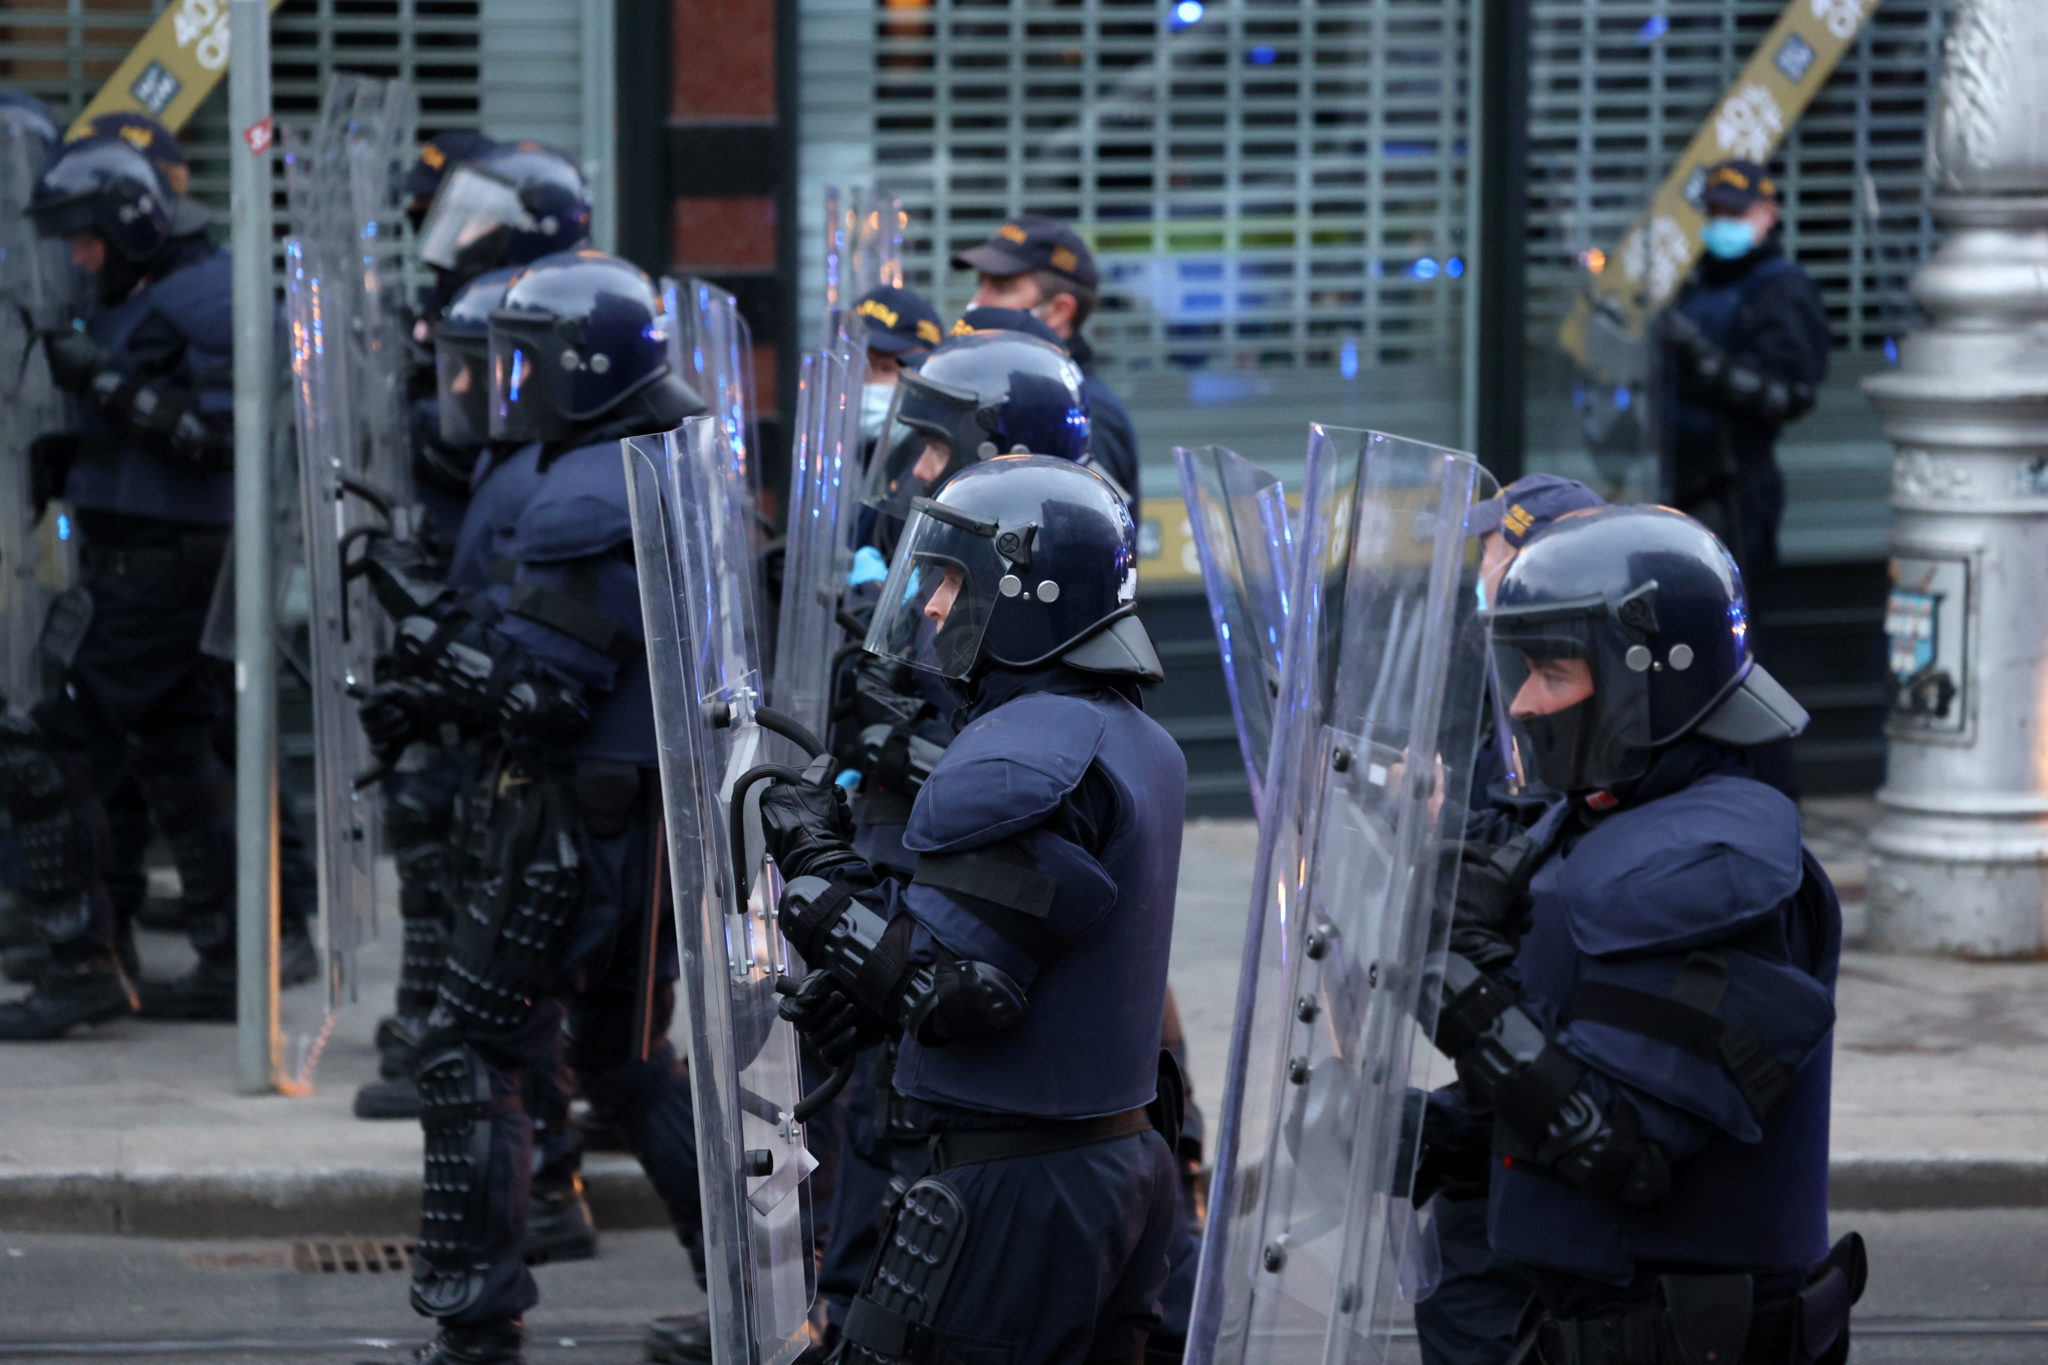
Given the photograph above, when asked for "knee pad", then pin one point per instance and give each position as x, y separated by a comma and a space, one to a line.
891, 1318
195, 810
456, 1106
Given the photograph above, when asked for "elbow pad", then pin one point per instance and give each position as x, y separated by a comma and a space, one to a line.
942, 1002
1545, 1114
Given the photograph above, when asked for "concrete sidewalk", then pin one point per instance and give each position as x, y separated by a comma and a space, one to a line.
1941, 1098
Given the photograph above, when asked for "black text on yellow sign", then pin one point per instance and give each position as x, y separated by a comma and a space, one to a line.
172, 68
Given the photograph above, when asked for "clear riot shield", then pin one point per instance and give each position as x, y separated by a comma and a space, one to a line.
1237, 514
1372, 752
863, 249
825, 466
379, 135
33, 277
690, 545
1619, 394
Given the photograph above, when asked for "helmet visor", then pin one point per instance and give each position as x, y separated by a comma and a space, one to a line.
462, 375
528, 384
1572, 697
929, 435
941, 589
471, 219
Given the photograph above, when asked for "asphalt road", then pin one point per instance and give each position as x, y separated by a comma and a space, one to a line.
1965, 1286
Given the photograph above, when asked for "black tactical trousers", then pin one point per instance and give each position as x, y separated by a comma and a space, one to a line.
599, 985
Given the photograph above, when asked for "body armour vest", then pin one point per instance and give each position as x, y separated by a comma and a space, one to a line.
179, 329
574, 603
1709, 881
503, 483
1089, 1041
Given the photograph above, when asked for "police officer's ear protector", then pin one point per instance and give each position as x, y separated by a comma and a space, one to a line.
744, 837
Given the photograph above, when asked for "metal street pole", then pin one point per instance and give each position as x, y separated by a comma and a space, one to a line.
1958, 858
256, 1033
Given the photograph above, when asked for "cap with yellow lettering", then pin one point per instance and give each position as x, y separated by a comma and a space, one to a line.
1528, 505
1029, 243
899, 322
440, 154
1732, 186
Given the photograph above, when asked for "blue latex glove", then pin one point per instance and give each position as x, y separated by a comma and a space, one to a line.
848, 777
868, 567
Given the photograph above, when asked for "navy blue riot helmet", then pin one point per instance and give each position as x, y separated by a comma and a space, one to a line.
976, 395
1019, 560
510, 204
1646, 604
579, 336
108, 188
462, 359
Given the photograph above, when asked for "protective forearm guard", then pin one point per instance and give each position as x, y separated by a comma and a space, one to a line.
165, 416
936, 1003
1545, 1113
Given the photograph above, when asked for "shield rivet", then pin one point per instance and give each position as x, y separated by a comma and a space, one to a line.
1010, 585
1048, 591
1680, 657
1637, 658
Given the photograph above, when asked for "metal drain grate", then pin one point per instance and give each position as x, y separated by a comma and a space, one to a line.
352, 1258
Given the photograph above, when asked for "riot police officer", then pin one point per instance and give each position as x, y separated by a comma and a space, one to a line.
902, 328
1639, 996
148, 476
508, 204
1042, 266
556, 926
1023, 961
1747, 346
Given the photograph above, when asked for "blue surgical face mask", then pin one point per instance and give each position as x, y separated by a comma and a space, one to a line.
1728, 239
874, 407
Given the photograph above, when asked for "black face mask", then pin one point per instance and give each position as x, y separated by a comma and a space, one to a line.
1557, 747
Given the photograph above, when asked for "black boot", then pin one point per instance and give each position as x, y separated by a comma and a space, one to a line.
496, 1343
65, 998
393, 1095
682, 1339
205, 993
24, 962
558, 1225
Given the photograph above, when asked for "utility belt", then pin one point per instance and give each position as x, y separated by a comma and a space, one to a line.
1714, 1320
161, 560
952, 1147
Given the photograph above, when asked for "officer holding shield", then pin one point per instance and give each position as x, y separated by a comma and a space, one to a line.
556, 926
1639, 995
1023, 960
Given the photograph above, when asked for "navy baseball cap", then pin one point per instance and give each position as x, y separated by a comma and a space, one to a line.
1029, 242
1733, 186
1528, 505
898, 320
144, 134
440, 154
987, 319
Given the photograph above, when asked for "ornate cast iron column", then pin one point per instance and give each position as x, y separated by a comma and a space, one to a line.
1959, 862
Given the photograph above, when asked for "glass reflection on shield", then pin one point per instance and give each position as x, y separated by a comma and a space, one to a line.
472, 209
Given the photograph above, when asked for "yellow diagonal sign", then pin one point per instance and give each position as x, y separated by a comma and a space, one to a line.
1657, 252
172, 68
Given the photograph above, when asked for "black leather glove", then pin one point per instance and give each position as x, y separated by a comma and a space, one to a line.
834, 1023
543, 709
50, 457
807, 829
398, 712
74, 358
1490, 910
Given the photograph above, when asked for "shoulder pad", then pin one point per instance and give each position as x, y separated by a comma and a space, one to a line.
1693, 868
1005, 773
579, 509
199, 295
